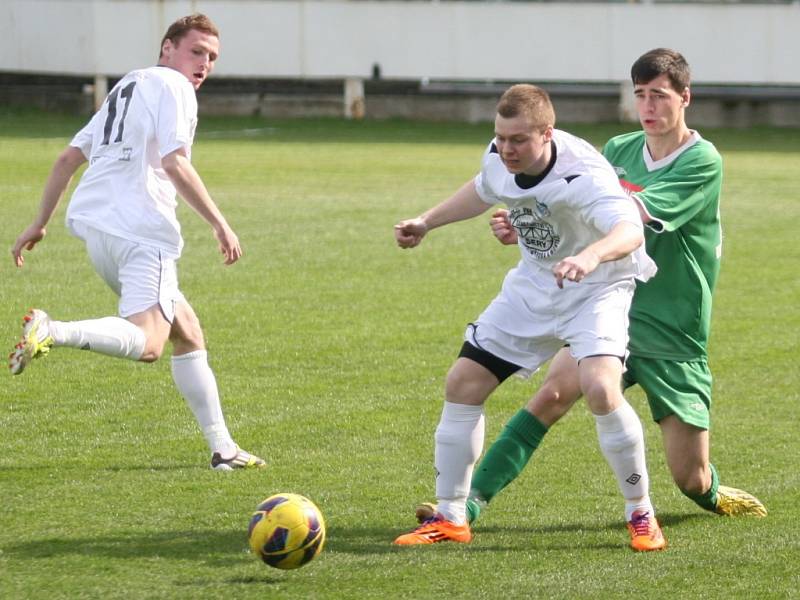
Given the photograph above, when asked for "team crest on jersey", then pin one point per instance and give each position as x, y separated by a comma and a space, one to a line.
620, 171
537, 236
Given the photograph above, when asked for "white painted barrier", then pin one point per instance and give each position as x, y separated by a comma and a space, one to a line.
459, 41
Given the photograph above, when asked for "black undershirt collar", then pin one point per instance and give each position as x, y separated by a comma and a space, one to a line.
526, 182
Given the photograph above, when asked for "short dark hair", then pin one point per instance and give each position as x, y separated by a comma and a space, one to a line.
662, 61
529, 101
180, 28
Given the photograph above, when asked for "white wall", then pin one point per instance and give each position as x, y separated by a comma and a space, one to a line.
410, 40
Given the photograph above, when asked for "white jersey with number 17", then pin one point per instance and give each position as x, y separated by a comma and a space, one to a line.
124, 191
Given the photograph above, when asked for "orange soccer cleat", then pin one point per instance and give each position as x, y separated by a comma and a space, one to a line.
645, 532
437, 529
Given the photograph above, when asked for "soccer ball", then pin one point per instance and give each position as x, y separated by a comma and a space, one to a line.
287, 531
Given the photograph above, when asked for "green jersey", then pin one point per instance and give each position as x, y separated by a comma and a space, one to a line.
670, 315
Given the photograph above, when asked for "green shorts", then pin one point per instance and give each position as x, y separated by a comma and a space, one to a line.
672, 387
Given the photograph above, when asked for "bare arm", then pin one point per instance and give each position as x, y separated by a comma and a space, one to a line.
464, 204
192, 189
623, 239
60, 175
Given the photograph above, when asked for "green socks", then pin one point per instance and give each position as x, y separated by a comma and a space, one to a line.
505, 459
707, 500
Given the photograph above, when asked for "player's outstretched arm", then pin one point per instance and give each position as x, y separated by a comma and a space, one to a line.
464, 204
192, 189
623, 239
63, 169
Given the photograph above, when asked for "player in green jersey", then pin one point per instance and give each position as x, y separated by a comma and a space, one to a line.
675, 176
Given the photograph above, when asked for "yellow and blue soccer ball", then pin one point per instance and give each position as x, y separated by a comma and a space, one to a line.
286, 531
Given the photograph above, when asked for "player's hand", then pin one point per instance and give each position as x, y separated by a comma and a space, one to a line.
502, 229
409, 234
575, 268
228, 244
26, 241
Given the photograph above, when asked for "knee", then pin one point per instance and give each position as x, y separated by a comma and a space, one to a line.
152, 352
554, 395
465, 388
457, 386
602, 398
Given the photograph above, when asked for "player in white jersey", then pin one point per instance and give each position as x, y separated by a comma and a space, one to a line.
579, 234
139, 146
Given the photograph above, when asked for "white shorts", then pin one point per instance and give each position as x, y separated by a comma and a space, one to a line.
531, 319
142, 276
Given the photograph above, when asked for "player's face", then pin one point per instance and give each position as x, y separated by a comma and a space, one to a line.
194, 55
523, 148
660, 107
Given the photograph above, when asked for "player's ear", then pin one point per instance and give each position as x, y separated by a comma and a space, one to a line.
547, 133
686, 97
166, 47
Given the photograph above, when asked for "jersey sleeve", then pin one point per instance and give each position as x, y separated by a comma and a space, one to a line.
603, 201
83, 139
490, 177
683, 192
176, 118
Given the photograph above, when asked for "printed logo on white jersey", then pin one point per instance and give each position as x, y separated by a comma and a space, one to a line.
538, 236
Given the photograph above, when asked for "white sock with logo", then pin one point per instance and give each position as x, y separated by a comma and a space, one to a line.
459, 442
622, 443
196, 382
112, 336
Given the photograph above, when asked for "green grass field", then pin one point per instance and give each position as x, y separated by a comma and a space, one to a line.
330, 347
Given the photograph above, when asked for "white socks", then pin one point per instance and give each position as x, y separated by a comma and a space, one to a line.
459, 442
622, 443
196, 382
112, 336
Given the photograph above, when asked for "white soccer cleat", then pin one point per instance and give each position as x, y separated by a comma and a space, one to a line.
35, 341
240, 460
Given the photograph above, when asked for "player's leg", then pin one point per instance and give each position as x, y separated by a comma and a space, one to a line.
112, 336
145, 281
621, 440
679, 394
133, 272
618, 428
458, 443
507, 456
197, 384
687, 448
507, 338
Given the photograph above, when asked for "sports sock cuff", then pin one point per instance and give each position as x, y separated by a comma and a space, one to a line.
714, 480
708, 499
527, 426
190, 355
714, 483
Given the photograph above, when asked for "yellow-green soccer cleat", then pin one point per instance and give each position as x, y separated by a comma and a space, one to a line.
738, 503
35, 341
240, 460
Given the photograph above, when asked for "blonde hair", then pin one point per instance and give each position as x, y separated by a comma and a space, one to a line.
528, 101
